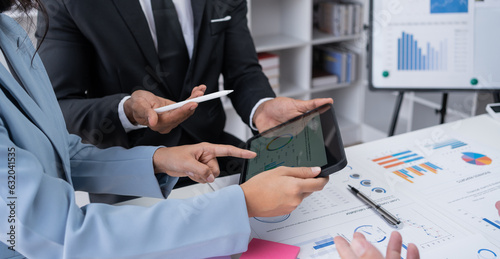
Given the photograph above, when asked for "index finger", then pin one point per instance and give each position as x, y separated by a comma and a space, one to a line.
394, 246
228, 150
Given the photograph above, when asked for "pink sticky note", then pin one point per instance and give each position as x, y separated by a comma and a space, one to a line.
263, 249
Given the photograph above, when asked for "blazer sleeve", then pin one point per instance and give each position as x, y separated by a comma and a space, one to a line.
242, 71
69, 60
117, 170
49, 224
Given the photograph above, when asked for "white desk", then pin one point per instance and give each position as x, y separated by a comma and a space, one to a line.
431, 219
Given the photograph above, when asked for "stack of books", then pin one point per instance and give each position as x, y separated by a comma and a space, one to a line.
339, 18
271, 67
335, 60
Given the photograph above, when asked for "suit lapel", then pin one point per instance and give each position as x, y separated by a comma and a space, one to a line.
132, 14
40, 104
198, 10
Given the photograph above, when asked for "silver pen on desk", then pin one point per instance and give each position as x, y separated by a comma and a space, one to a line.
391, 219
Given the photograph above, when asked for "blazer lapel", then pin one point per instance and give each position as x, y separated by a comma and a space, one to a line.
132, 14
198, 11
40, 104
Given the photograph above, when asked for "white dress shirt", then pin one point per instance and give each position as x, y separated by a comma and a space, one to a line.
3, 61
185, 14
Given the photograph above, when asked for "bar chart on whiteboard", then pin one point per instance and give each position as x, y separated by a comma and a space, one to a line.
423, 43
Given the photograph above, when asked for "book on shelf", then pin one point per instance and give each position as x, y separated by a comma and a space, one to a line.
337, 60
321, 78
270, 64
339, 18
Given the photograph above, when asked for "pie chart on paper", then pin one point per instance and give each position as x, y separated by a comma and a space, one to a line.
476, 159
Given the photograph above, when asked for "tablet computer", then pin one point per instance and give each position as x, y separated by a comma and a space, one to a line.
311, 139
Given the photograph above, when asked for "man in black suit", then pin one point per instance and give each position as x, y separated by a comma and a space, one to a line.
99, 52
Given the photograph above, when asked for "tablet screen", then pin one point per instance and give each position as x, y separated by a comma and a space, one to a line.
308, 140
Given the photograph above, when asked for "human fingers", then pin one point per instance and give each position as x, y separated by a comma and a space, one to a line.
214, 168
144, 113
228, 150
412, 252
198, 91
196, 170
344, 248
176, 116
394, 246
304, 106
171, 119
180, 161
313, 184
364, 249
497, 205
302, 172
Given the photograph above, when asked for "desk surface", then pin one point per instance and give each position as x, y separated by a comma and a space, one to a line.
450, 209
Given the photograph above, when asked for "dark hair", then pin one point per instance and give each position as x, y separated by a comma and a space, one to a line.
20, 5
25, 6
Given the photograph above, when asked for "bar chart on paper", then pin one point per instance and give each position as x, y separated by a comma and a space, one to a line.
396, 159
412, 172
452, 143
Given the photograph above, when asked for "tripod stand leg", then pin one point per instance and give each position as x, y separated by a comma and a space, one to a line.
395, 115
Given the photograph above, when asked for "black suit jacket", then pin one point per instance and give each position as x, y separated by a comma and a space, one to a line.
98, 51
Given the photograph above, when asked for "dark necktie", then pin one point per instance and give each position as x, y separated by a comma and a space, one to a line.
172, 50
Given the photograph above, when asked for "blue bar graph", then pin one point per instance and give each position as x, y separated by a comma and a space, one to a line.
453, 143
405, 172
323, 243
433, 166
414, 159
418, 168
411, 57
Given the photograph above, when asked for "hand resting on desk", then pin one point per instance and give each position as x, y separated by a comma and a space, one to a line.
361, 248
279, 191
140, 110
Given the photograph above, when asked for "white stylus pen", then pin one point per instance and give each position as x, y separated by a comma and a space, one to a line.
196, 100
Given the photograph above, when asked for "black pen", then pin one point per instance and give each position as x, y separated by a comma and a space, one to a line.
391, 219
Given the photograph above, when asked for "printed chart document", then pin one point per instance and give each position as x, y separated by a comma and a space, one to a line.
443, 189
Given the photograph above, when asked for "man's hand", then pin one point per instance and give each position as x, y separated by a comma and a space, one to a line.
140, 110
281, 109
360, 248
199, 161
279, 191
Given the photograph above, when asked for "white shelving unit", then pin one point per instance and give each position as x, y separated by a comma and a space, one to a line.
285, 28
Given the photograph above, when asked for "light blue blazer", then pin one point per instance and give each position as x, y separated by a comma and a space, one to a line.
49, 165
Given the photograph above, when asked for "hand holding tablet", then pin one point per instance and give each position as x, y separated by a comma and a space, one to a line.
196, 100
308, 140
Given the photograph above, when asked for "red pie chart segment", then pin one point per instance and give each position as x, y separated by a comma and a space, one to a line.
476, 159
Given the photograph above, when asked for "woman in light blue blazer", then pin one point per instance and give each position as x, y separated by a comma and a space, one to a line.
41, 166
